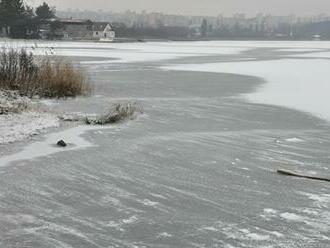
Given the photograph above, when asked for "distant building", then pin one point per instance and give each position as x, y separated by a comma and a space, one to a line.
66, 29
76, 29
103, 31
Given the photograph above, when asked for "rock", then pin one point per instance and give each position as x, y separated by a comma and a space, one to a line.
61, 143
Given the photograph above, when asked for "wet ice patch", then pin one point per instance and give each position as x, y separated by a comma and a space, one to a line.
48, 146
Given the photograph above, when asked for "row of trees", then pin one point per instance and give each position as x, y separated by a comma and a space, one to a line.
18, 20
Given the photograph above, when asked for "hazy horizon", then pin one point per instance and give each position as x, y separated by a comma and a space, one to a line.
197, 7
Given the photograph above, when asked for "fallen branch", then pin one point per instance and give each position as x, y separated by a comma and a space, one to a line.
294, 174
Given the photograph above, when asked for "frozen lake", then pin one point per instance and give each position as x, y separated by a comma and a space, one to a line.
197, 169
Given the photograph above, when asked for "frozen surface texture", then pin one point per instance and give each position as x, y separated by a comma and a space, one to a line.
198, 169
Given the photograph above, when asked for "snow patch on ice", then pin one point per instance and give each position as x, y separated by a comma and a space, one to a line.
258, 237
292, 217
290, 82
210, 228
294, 140
130, 220
149, 203
164, 235
270, 211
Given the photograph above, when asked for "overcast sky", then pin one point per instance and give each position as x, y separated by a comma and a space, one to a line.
199, 7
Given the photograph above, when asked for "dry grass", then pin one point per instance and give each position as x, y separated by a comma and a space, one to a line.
22, 72
61, 79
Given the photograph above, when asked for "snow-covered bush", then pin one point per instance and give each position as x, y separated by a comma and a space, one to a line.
116, 113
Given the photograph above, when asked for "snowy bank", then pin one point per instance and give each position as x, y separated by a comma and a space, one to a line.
11, 102
16, 127
19, 119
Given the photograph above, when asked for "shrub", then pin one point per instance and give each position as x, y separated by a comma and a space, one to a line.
61, 80
116, 113
22, 72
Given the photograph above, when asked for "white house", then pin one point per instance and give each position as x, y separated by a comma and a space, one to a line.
103, 32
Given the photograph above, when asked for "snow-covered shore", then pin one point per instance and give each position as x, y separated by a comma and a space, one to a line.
16, 127
19, 119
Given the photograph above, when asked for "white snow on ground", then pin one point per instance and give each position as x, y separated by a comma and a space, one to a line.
301, 84
16, 127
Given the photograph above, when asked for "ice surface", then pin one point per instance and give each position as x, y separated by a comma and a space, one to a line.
294, 83
166, 181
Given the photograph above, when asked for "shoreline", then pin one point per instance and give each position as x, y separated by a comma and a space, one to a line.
150, 39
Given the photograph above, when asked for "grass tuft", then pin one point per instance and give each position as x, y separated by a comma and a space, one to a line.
20, 71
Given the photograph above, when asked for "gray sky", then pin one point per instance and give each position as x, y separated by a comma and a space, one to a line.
200, 7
